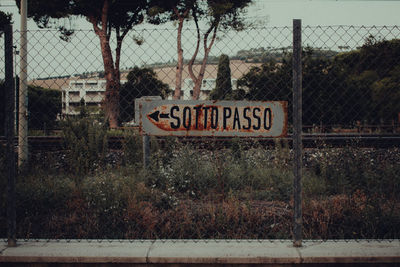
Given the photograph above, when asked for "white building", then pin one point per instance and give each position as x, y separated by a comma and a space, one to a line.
92, 91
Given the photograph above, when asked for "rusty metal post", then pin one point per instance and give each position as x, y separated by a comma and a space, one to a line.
297, 133
23, 90
9, 132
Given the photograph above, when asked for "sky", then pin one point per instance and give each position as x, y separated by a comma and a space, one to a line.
270, 13
282, 12
328, 12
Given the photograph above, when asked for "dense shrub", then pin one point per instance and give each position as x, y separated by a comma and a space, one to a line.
86, 144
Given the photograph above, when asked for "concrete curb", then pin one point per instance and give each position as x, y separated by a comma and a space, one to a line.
201, 252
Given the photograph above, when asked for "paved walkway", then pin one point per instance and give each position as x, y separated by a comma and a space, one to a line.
201, 252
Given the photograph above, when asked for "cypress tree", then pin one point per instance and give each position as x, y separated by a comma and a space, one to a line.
223, 87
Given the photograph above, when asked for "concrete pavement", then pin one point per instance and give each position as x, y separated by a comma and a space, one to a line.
211, 252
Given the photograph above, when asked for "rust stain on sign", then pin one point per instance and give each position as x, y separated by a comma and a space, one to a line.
208, 118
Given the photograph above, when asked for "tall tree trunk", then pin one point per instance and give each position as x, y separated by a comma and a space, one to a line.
192, 60
111, 101
207, 48
179, 65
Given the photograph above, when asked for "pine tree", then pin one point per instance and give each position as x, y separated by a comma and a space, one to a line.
223, 87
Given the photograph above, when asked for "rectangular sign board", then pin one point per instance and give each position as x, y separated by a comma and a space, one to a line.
213, 118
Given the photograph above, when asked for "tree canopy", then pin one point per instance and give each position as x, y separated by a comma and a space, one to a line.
223, 87
217, 14
43, 109
360, 86
141, 82
5, 18
106, 17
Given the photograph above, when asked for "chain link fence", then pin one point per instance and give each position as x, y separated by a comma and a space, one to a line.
85, 180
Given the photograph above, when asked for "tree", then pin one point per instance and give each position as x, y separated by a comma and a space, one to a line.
220, 15
223, 87
386, 97
371, 76
82, 108
106, 17
44, 107
270, 81
357, 86
175, 10
5, 19
141, 82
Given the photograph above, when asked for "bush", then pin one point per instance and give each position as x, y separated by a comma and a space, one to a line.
86, 143
132, 148
44, 107
243, 191
187, 171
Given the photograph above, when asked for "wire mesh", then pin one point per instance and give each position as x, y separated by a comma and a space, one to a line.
86, 180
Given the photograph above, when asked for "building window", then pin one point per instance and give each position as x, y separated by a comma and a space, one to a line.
79, 85
92, 85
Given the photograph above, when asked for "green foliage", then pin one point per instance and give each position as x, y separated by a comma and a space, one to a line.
386, 91
106, 17
352, 87
44, 107
132, 147
141, 82
86, 144
370, 77
122, 15
227, 14
82, 108
5, 19
243, 191
265, 55
3, 177
223, 88
271, 81
184, 172
2, 107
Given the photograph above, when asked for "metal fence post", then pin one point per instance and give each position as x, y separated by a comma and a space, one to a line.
297, 132
23, 91
9, 128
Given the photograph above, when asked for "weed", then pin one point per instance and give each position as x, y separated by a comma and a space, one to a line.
132, 148
86, 144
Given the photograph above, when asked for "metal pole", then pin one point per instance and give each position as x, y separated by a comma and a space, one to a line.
23, 90
297, 133
146, 151
9, 128
16, 86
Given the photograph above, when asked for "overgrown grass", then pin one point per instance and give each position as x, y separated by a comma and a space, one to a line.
86, 144
237, 191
